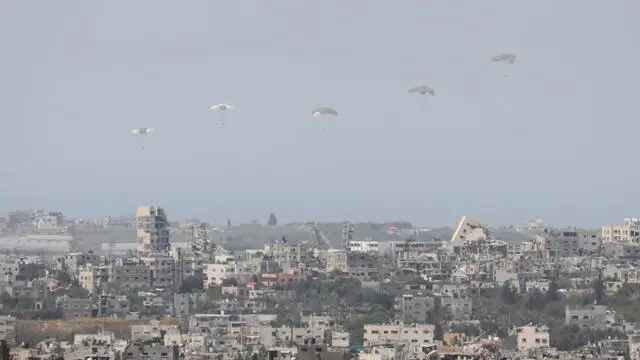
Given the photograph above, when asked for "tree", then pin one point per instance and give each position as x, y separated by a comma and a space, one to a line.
62, 276
509, 295
273, 221
598, 290
552, 292
5, 351
192, 284
230, 282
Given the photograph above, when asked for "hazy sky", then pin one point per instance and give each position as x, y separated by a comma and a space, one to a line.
555, 138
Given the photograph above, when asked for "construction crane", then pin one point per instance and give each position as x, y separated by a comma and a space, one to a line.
347, 235
318, 236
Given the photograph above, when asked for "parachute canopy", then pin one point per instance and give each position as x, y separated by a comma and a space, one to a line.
422, 90
321, 111
504, 57
221, 107
141, 131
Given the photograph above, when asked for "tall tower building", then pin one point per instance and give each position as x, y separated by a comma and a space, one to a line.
152, 228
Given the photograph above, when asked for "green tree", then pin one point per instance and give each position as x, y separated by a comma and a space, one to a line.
230, 282
552, 292
508, 294
273, 221
192, 284
5, 351
598, 290
63, 276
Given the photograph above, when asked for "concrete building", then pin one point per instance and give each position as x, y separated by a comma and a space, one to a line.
362, 266
152, 227
163, 270
590, 316
186, 304
73, 262
628, 232
363, 246
458, 309
149, 331
287, 255
337, 260
8, 329
93, 277
149, 350
572, 242
415, 335
74, 307
532, 337
415, 308
469, 229
36, 243
222, 268
198, 238
130, 274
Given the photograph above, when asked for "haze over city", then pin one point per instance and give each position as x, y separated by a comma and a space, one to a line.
555, 138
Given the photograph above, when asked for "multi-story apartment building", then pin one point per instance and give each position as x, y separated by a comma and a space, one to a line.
590, 316
163, 270
75, 307
223, 267
457, 308
628, 232
152, 227
92, 277
415, 335
414, 308
337, 260
8, 329
130, 274
363, 246
74, 261
363, 266
572, 242
532, 337
287, 255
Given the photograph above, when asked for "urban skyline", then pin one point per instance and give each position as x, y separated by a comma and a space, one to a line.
533, 143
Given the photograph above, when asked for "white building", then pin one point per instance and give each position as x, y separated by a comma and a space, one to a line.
223, 268
363, 246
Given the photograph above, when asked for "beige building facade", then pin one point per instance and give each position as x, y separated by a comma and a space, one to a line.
152, 227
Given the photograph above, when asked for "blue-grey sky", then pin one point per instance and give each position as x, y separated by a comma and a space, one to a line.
556, 138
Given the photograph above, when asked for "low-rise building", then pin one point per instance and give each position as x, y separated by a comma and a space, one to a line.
532, 337
415, 335
590, 316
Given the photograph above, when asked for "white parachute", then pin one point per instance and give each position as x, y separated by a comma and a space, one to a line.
422, 90
504, 57
142, 131
325, 110
222, 107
